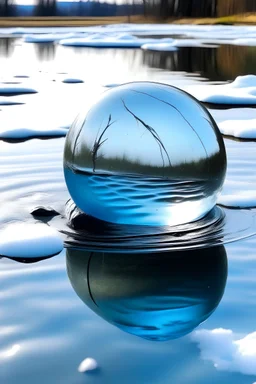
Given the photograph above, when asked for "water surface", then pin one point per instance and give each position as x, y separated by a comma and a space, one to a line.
46, 330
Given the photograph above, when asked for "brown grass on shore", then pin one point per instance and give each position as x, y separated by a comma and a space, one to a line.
245, 19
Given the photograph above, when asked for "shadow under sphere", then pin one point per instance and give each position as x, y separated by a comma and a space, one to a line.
157, 296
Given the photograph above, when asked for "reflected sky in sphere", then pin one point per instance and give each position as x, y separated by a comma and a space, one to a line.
156, 296
146, 154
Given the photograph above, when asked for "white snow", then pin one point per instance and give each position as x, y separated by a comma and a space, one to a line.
245, 129
173, 45
158, 46
237, 122
245, 41
21, 239
226, 351
24, 133
88, 364
239, 198
241, 91
217, 32
30, 120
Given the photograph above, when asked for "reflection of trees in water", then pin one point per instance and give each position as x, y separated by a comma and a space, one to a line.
45, 51
6, 46
127, 55
234, 61
225, 63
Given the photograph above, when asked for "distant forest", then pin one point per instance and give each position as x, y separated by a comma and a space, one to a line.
160, 8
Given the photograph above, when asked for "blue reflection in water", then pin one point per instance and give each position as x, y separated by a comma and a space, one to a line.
157, 296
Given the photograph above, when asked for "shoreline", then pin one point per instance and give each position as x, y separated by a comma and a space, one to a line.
62, 21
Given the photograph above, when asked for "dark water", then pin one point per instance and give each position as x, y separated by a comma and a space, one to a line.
52, 311
217, 64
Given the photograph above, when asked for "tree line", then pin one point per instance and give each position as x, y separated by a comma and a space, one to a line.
160, 8
197, 8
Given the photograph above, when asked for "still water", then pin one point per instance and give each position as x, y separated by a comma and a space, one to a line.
53, 312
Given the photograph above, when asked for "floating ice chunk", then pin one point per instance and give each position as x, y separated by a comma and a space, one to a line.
244, 41
15, 90
245, 199
226, 352
87, 364
244, 81
72, 80
107, 41
173, 45
29, 240
245, 129
24, 133
237, 122
24, 123
160, 45
241, 91
47, 37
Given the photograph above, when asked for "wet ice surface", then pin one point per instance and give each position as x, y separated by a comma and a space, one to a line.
46, 330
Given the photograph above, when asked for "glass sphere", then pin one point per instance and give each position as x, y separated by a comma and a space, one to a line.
145, 153
156, 296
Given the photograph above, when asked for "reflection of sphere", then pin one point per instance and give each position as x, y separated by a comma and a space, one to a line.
157, 296
145, 153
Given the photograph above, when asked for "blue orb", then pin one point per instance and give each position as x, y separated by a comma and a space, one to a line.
147, 154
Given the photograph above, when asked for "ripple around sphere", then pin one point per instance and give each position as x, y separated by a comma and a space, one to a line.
145, 154
220, 226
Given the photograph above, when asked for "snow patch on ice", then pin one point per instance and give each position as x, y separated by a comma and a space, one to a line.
87, 364
173, 45
46, 37
237, 122
239, 92
226, 351
15, 133
244, 129
29, 240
